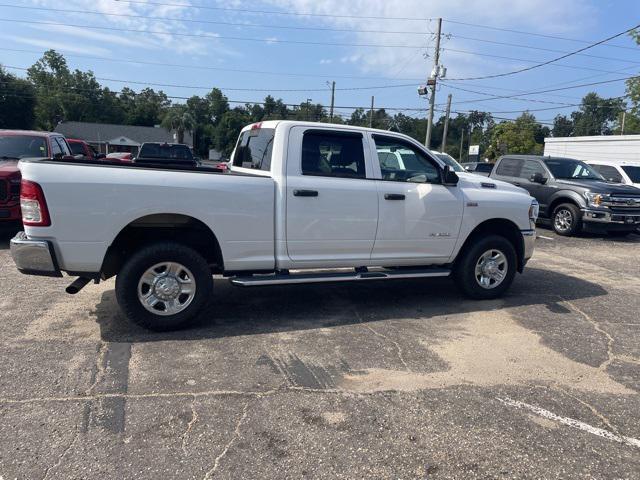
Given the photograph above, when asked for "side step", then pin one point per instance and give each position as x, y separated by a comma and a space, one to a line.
289, 279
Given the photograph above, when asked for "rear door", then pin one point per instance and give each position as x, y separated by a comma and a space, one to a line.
419, 217
331, 205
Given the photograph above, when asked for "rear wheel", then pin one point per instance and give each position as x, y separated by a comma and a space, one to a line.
487, 268
164, 286
566, 219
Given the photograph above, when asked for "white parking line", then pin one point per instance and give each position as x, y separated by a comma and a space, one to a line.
544, 238
572, 423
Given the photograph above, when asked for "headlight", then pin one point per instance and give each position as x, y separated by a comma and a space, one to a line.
596, 199
534, 211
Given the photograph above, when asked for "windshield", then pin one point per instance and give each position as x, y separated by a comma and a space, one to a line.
572, 170
633, 172
449, 160
76, 148
22, 146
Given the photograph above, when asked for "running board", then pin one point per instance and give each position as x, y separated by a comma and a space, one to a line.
289, 279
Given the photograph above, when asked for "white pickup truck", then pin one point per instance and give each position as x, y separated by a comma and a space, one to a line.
302, 203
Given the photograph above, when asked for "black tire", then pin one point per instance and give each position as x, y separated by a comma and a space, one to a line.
129, 280
464, 272
570, 213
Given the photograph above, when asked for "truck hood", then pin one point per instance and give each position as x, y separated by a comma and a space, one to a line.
8, 168
478, 181
599, 186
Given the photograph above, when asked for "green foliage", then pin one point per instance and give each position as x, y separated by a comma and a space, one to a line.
596, 115
179, 119
522, 136
17, 102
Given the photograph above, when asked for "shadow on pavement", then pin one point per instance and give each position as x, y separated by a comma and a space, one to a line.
7, 232
235, 311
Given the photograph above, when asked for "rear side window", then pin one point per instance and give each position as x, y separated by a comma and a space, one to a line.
333, 154
609, 173
254, 149
510, 167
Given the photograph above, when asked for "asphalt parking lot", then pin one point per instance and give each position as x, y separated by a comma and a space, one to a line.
402, 379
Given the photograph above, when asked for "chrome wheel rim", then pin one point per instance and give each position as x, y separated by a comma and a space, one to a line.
563, 220
491, 269
167, 288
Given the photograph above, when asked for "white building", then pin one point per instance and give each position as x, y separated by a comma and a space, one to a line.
614, 148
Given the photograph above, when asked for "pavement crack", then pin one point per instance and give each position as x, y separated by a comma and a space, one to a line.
234, 438
593, 409
397, 347
194, 419
100, 367
611, 357
62, 455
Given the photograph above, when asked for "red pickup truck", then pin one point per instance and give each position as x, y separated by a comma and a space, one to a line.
14, 146
83, 151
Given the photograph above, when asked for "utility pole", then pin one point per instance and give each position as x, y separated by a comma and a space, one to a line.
624, 117
461, 143
308, 108
443, 149
333, 99
373, 99
433, 81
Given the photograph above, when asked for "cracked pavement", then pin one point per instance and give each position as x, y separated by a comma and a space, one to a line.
403, 379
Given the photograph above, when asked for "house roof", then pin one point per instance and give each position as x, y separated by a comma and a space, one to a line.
104, 132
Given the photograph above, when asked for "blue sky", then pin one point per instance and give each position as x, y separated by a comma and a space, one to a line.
221, 48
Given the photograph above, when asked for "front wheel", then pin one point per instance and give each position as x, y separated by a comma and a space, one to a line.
164, 286
486, 268
566, 220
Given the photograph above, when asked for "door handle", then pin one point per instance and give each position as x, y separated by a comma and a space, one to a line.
305, 193
394, 196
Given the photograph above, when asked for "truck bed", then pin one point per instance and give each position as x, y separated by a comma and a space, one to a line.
90, 203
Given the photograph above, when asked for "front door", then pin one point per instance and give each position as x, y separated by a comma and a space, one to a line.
419, 217
331, 206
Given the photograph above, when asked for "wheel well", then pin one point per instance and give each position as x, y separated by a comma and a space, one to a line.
503, 227
559, 201
162, 227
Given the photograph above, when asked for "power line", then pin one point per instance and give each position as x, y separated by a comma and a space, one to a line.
268, 12
208, 36
542, 49
532, 100
205, 67
210, 22
236, 89
542, 35
548, 62
526, 60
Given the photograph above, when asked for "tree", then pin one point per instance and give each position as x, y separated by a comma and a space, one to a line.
596, 115
178, 119
17, 102
562, 126
522, 136
146, 108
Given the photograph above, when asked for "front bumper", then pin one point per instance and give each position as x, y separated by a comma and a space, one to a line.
529, 239
34, 257
606, 217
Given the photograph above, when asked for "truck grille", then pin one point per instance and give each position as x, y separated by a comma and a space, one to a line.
4, 190
626, 201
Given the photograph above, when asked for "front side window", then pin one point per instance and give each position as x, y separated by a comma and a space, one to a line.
76, 148
15, 147
63, 146
402, 162
56, 151
572, 170
510, 167
333, 154
530, 168
610, 173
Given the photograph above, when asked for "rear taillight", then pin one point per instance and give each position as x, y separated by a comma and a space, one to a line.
33, 205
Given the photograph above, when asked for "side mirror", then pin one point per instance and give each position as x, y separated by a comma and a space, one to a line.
538, 178
449, 177
100, 156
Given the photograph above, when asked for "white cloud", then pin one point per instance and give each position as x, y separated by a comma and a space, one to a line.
326, 61
541, 16
55, 45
